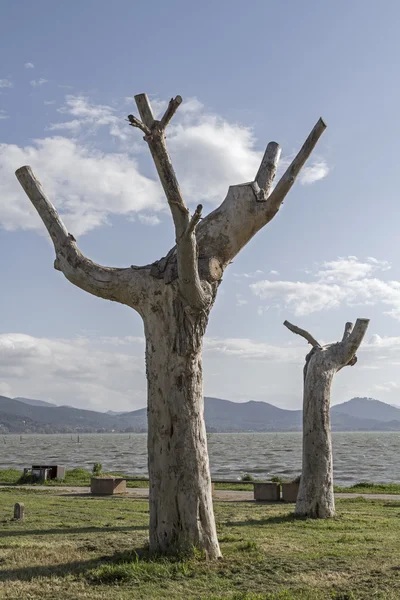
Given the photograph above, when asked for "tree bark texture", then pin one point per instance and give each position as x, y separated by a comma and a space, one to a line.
174, 296
315, 498
181, 509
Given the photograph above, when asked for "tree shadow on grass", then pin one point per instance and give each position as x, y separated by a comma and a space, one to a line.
289, 518
72, 568
67, 530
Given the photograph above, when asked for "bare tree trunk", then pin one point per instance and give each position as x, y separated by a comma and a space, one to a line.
315, 498
181, 509
174, 297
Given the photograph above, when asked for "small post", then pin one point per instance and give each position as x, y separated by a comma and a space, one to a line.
19, 511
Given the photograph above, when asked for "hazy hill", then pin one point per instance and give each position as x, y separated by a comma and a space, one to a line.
368, 408
34, 402
223, 415
20, 415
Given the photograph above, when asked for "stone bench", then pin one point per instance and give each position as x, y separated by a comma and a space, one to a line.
290, 491
107, 486
267, 492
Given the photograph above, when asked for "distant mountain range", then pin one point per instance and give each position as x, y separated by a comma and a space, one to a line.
23, 415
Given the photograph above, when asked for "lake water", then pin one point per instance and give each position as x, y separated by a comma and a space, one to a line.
357, 456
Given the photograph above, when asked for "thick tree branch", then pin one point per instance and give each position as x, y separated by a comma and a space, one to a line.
289, 177
307, 336
121, 285
267, 171
186, 245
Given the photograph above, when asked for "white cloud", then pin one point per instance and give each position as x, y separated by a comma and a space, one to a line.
240, 301
350, 268
89, 115
3, 114
251, 275
72, 126
151, 220
48, 102
390, 386
310, 174
71, 372
343, 281
38, 82
6, 83
127, 340
86, 185
250, 349
29, 65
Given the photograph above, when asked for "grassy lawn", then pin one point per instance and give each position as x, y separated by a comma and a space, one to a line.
95, 548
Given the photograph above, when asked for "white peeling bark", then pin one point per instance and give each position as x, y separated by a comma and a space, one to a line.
315, 498
174, 296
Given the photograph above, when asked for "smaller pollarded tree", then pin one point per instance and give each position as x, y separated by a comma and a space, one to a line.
315, 498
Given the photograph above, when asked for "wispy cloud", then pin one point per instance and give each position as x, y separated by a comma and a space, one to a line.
3, 114
251, 349
240, 300
29, 65
345, 281
60, 369
151, 220
38, 82
6, 83
316, 172
250, 275
48, 102
89, 115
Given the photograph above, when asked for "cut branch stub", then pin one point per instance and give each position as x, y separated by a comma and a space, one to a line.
267, 171
347, 331
353, 341
136, 123
144, 108
171, 110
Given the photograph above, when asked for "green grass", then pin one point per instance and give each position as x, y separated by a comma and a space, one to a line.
79, 477
91, 548
367, 487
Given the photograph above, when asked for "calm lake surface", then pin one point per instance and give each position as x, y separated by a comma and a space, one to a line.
357, 456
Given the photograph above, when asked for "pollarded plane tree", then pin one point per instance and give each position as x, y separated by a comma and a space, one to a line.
174, 297
315, 498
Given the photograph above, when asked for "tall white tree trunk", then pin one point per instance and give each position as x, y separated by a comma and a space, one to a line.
181, 508
315, 498
174, 297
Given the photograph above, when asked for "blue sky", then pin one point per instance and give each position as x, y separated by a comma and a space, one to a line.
249, 73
